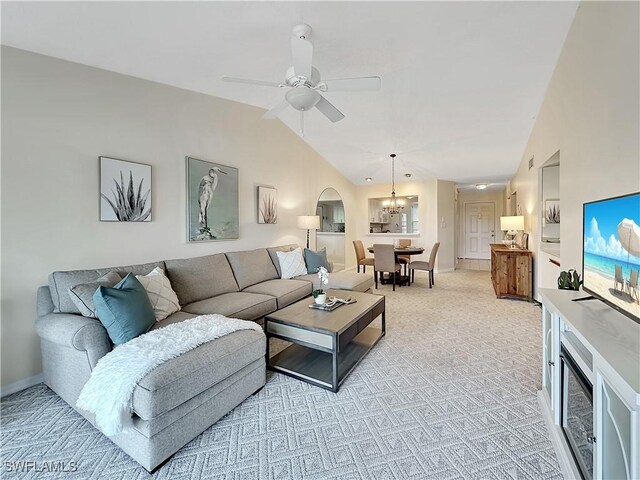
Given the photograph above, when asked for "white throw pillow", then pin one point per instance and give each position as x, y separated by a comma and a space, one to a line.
292, 263
162, 297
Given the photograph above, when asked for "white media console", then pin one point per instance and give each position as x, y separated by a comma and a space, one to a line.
590, 341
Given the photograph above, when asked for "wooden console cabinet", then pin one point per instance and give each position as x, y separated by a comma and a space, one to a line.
511, 272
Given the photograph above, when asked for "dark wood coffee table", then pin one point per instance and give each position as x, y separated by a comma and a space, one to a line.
327, 346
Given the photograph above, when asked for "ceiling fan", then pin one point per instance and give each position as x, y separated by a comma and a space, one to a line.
304, 82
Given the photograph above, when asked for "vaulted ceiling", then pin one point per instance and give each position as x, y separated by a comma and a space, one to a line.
461, 81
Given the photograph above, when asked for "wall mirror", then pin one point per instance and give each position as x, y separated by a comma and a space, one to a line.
550, 208
330, 209
384, 218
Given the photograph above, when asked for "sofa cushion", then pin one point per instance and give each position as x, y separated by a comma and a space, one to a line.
357, 282
315, 260
179, 316
61, 282
198, 278
285, 291
251, 267
182, 378
291, 263
162, 297
274, 256
82, 295
243, 305
124, 310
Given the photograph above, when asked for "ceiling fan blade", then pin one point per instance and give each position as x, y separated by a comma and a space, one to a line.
275, 111
251, 82
351, 84
328, 110
302, 51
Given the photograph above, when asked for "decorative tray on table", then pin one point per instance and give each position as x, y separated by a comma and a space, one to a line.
332, 303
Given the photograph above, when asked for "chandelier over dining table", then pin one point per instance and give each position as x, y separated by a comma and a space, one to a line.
393, 205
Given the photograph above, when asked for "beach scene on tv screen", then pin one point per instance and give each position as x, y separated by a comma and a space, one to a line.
612, 251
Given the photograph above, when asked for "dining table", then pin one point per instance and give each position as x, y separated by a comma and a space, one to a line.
402, 251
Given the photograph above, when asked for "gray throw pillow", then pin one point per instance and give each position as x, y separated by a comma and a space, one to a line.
315, 260
82, 294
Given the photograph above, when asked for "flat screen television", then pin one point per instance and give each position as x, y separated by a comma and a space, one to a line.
611, 252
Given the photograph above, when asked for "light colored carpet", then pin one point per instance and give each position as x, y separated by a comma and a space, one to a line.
450, 392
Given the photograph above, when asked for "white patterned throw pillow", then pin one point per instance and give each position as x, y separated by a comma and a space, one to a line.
162, 297
292, 263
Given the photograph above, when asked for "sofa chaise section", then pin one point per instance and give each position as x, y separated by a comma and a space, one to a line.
190, 374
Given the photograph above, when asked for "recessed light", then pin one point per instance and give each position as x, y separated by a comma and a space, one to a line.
408, 175
481, 186
368, 179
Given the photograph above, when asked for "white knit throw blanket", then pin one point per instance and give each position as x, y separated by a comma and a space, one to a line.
108, 393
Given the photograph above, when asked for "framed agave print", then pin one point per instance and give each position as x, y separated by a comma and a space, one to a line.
267, 205
125, 191
552, 210
212, 201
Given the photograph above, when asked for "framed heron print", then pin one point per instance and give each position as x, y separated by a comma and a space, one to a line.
212, 201
125, 191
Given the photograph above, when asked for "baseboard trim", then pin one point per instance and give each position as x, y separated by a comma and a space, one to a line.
446, 270
20, 385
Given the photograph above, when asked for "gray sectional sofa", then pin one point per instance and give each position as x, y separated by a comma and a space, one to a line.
184, 396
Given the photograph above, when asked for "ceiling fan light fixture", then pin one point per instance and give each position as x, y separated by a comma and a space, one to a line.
302, 98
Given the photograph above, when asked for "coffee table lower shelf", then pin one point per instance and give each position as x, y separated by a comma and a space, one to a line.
323, 368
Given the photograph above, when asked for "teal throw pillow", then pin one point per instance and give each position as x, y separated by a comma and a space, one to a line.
124, 310
315, 260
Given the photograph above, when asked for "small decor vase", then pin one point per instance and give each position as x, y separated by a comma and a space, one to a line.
320, 299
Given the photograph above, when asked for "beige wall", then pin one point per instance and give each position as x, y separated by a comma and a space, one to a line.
590, 113
446, 260
58, 117
464, 197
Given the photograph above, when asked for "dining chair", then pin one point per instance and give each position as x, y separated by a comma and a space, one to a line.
361, 256
619, 279
385, 261
632, 285
404, 259
426, 266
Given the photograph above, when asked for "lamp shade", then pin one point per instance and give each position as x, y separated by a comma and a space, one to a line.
515, 222
309, 222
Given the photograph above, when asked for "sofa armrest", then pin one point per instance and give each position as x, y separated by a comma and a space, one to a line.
75, 331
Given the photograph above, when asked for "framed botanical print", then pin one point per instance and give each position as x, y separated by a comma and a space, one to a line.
552, 210
267, 205
125, 191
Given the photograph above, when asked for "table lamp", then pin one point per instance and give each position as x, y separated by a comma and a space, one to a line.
511, 225
309, 222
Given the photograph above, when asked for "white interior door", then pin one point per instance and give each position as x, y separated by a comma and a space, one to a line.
479, 231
